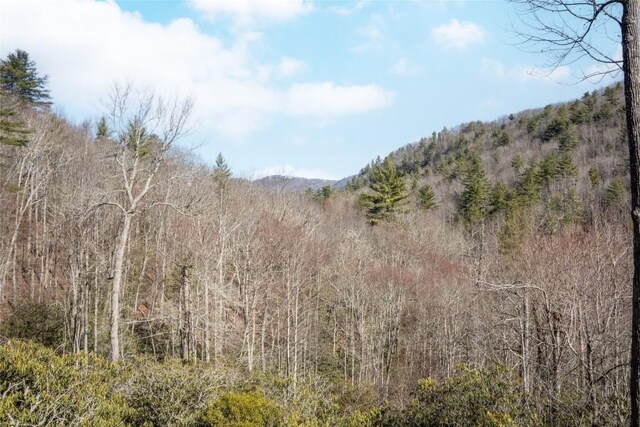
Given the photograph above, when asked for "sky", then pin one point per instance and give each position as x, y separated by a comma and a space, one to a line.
315, 89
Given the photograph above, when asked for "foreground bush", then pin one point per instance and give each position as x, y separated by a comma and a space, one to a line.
474, 398
168, 393
42, 388
249, 409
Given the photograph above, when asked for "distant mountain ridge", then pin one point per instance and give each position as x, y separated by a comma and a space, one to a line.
292, 183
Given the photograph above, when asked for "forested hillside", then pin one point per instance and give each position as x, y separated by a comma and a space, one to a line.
477, 277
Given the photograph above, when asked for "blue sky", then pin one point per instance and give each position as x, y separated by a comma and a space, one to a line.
305, 88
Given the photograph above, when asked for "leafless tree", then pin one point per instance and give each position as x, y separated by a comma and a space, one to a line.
145, 126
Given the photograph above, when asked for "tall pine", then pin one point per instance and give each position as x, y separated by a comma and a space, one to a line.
388, 194
221, 171
426, 198
475, 198
19, 77
474, 205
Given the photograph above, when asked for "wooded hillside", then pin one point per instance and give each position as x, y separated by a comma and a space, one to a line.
492, 261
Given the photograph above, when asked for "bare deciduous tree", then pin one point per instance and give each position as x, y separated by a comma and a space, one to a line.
145, 126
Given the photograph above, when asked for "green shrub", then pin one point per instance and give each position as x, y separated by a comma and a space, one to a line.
248, 409
43, 388
479, 398
168, 393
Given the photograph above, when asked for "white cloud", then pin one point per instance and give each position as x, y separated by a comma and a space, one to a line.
327, 99
84, 46
285, 69
458, 35
290, 171
289, 67
248, 12
403, 68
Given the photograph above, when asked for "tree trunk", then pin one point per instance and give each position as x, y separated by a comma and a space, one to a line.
525, 342
207, 322
117, 283
185, 332
631, 56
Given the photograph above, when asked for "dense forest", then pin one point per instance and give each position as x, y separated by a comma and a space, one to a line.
479, 276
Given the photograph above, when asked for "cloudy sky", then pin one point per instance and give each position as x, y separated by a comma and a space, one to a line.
298, 87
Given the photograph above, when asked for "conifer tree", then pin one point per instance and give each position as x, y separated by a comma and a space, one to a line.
548, 169
528, 188
12, 131
19, 77
559, 124
102, 130
18, 81
426, 198
474, 207
474, 201
578, 113
388, 194
614, 192
499, 197
324, 193
221, 171
568, 140
566, 167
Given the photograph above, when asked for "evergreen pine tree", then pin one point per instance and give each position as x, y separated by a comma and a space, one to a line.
614, 192
499, 197
568, 140
19, 77
12, 131
474, 201
559, 124
324, 193
502, 138
426, 198
566, 167
578, 113
548, 169
388, 194
528, 188
102, 130
221, 171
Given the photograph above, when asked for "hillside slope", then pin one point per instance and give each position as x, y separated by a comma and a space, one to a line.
561, 157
